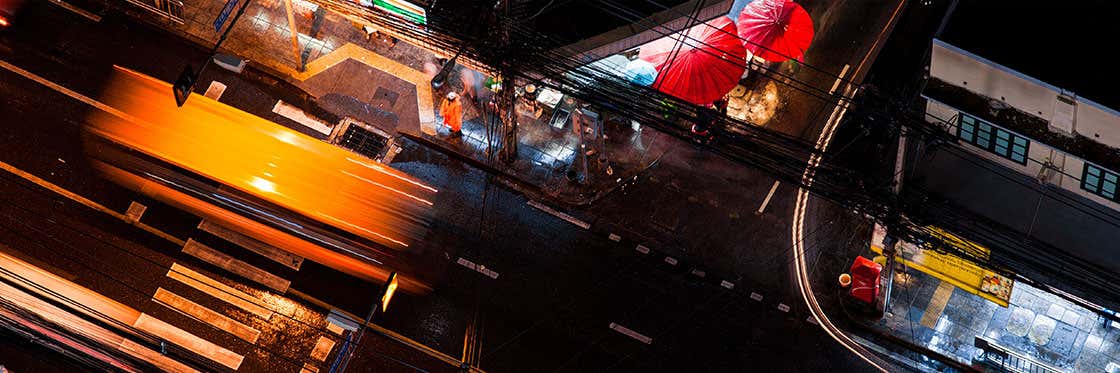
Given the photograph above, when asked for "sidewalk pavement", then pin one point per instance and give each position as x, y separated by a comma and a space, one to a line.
930, 317
1040, 325
387, 85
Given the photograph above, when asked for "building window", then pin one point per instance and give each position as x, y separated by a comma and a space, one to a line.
993, 139
1100, 181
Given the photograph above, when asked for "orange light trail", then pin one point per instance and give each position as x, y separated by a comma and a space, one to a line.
304, 177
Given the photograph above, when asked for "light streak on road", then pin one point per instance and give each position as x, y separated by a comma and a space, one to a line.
798, 231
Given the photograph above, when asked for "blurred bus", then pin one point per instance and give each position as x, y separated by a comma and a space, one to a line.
263, 180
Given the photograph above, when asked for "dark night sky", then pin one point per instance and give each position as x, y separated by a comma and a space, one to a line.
1069, 44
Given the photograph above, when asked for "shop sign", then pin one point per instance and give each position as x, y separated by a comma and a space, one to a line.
409, 11
962, 273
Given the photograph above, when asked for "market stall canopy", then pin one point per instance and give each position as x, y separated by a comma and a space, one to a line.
776, 30
700, 65
640, 72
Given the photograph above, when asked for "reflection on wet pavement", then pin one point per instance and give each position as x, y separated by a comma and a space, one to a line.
1036, 324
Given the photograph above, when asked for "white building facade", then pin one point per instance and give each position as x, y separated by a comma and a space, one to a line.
1047, 132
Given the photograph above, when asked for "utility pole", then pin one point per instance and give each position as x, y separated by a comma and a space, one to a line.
507, 105
379, 306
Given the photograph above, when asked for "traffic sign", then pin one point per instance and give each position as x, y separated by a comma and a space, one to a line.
183, 86
226, 10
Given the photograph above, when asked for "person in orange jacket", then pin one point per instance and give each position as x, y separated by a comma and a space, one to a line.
452, 111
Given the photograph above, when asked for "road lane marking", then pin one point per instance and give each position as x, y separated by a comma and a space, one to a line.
427, 117
783, 307
67, 91
135, 211
42, 309
565, 217
698, 273
478, 268
642, 249
197, 311
630, 333
215, 90
937, 304
768, 197
756, 296
85, 201
285, 258
615, 237
798, 227
839, 79
322, 348
159, 360
235, 266
189, 341
219, 290
308, 368
671, 260
727, 284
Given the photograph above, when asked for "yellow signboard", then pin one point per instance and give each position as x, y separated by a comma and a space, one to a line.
952, 269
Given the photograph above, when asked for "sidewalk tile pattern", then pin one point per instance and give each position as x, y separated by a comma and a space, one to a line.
1037, 324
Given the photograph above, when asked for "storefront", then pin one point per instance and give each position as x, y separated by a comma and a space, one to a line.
963, 274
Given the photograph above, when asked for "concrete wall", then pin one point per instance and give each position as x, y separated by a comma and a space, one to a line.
1069, 167
987, 78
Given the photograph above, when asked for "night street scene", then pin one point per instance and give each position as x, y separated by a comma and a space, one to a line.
559, 186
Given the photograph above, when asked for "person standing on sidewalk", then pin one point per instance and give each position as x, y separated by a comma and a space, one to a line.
452, 111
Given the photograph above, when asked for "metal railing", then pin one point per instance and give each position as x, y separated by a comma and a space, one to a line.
1003, 359
172, 10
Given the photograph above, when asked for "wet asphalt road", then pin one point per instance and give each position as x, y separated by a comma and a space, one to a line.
558, 290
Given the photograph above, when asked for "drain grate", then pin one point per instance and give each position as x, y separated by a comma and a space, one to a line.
363, 141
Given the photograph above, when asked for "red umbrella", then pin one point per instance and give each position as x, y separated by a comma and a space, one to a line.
776, 30
708, 63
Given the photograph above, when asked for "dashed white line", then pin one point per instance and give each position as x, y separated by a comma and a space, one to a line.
727, 284
756, 296
671, 260
642, 249
565, 217
630, 333
615, 237
768, 197
839, 79
478, 268
783, 307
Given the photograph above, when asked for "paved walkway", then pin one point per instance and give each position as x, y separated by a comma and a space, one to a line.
387, 85
1037, 324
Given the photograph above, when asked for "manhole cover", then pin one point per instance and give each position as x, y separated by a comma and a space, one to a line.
387, 95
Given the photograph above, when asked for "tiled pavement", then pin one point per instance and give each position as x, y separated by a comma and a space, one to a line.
388, 86
1037, 324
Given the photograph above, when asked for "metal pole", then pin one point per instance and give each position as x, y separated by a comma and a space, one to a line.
348, 348
221, 39
295, 34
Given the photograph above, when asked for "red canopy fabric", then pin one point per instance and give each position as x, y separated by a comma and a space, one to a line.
708, 64
776, 30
